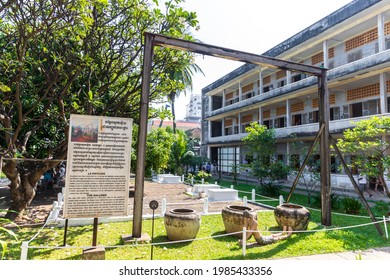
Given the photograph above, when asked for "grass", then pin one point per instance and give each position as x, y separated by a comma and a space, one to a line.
206, 248
209, 246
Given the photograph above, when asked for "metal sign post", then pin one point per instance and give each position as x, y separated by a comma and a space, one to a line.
153, 205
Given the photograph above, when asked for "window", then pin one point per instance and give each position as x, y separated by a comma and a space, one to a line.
296, 119
334, 164
297, 78
371, 107
281, 83
356, 110
248, 95
243, 127
345, 112
281, 158
354, 56
266, 89
388, 104
228, 156
268, 123
294, 162
313, 117
334, 113
280, 122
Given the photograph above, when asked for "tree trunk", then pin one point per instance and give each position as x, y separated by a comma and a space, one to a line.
22, 193
22, 185
172, 97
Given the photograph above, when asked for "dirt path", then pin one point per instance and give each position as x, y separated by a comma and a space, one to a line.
174, 194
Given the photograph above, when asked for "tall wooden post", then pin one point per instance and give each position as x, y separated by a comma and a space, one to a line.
143, 126
324, 150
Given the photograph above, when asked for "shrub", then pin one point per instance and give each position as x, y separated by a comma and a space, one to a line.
203, 174
351, 205
381, 208
334, 200
269, 189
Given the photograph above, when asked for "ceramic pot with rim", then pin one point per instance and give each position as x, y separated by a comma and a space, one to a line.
292, 215
233, 218
182, 224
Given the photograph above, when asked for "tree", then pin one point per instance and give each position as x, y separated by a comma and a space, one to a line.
163, 113
310, 178
178, 150
80, 57
183, 72
367, 142
261, 144
158, 150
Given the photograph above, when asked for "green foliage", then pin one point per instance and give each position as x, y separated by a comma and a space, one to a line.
203, 175
4, 236
270, 190
310, 178
261, 144
366, 143
158, 150
335, 200
215, 248
80, 57
178, 150
260, 140
381, 208
235, 171
351, 205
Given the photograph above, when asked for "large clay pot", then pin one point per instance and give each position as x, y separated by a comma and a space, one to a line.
292, 215
182, 224
233, 219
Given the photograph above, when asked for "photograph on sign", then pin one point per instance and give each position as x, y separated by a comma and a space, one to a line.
98, 167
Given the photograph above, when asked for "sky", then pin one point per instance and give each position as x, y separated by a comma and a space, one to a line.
253, 26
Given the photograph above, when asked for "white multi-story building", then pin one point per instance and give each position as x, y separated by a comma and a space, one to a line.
194, 108
353, 42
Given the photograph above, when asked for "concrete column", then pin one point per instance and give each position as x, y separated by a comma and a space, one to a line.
209, 129
381, 33
261, 85
223, 126
234, 123
224, 98
288, 153
382, 93
239, 91
210, 104
288, 76
326, 54
260, 115
288, 115
239, 123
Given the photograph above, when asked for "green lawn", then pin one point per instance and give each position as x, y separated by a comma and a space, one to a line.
205, 248
210, 244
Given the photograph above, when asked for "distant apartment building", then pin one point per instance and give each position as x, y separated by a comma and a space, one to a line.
353, 43
194, 108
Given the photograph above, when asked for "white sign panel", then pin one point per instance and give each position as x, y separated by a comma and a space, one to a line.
98, 167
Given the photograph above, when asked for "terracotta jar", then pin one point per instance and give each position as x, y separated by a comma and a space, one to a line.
292, 215
233, 219
182, 224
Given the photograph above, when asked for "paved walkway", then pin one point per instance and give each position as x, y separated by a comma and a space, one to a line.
371, 254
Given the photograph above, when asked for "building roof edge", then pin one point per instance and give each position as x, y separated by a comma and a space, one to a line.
313, 30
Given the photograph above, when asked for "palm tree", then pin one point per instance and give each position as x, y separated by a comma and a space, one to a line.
182, 73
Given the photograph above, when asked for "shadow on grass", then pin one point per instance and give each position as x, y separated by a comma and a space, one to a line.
256, 251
